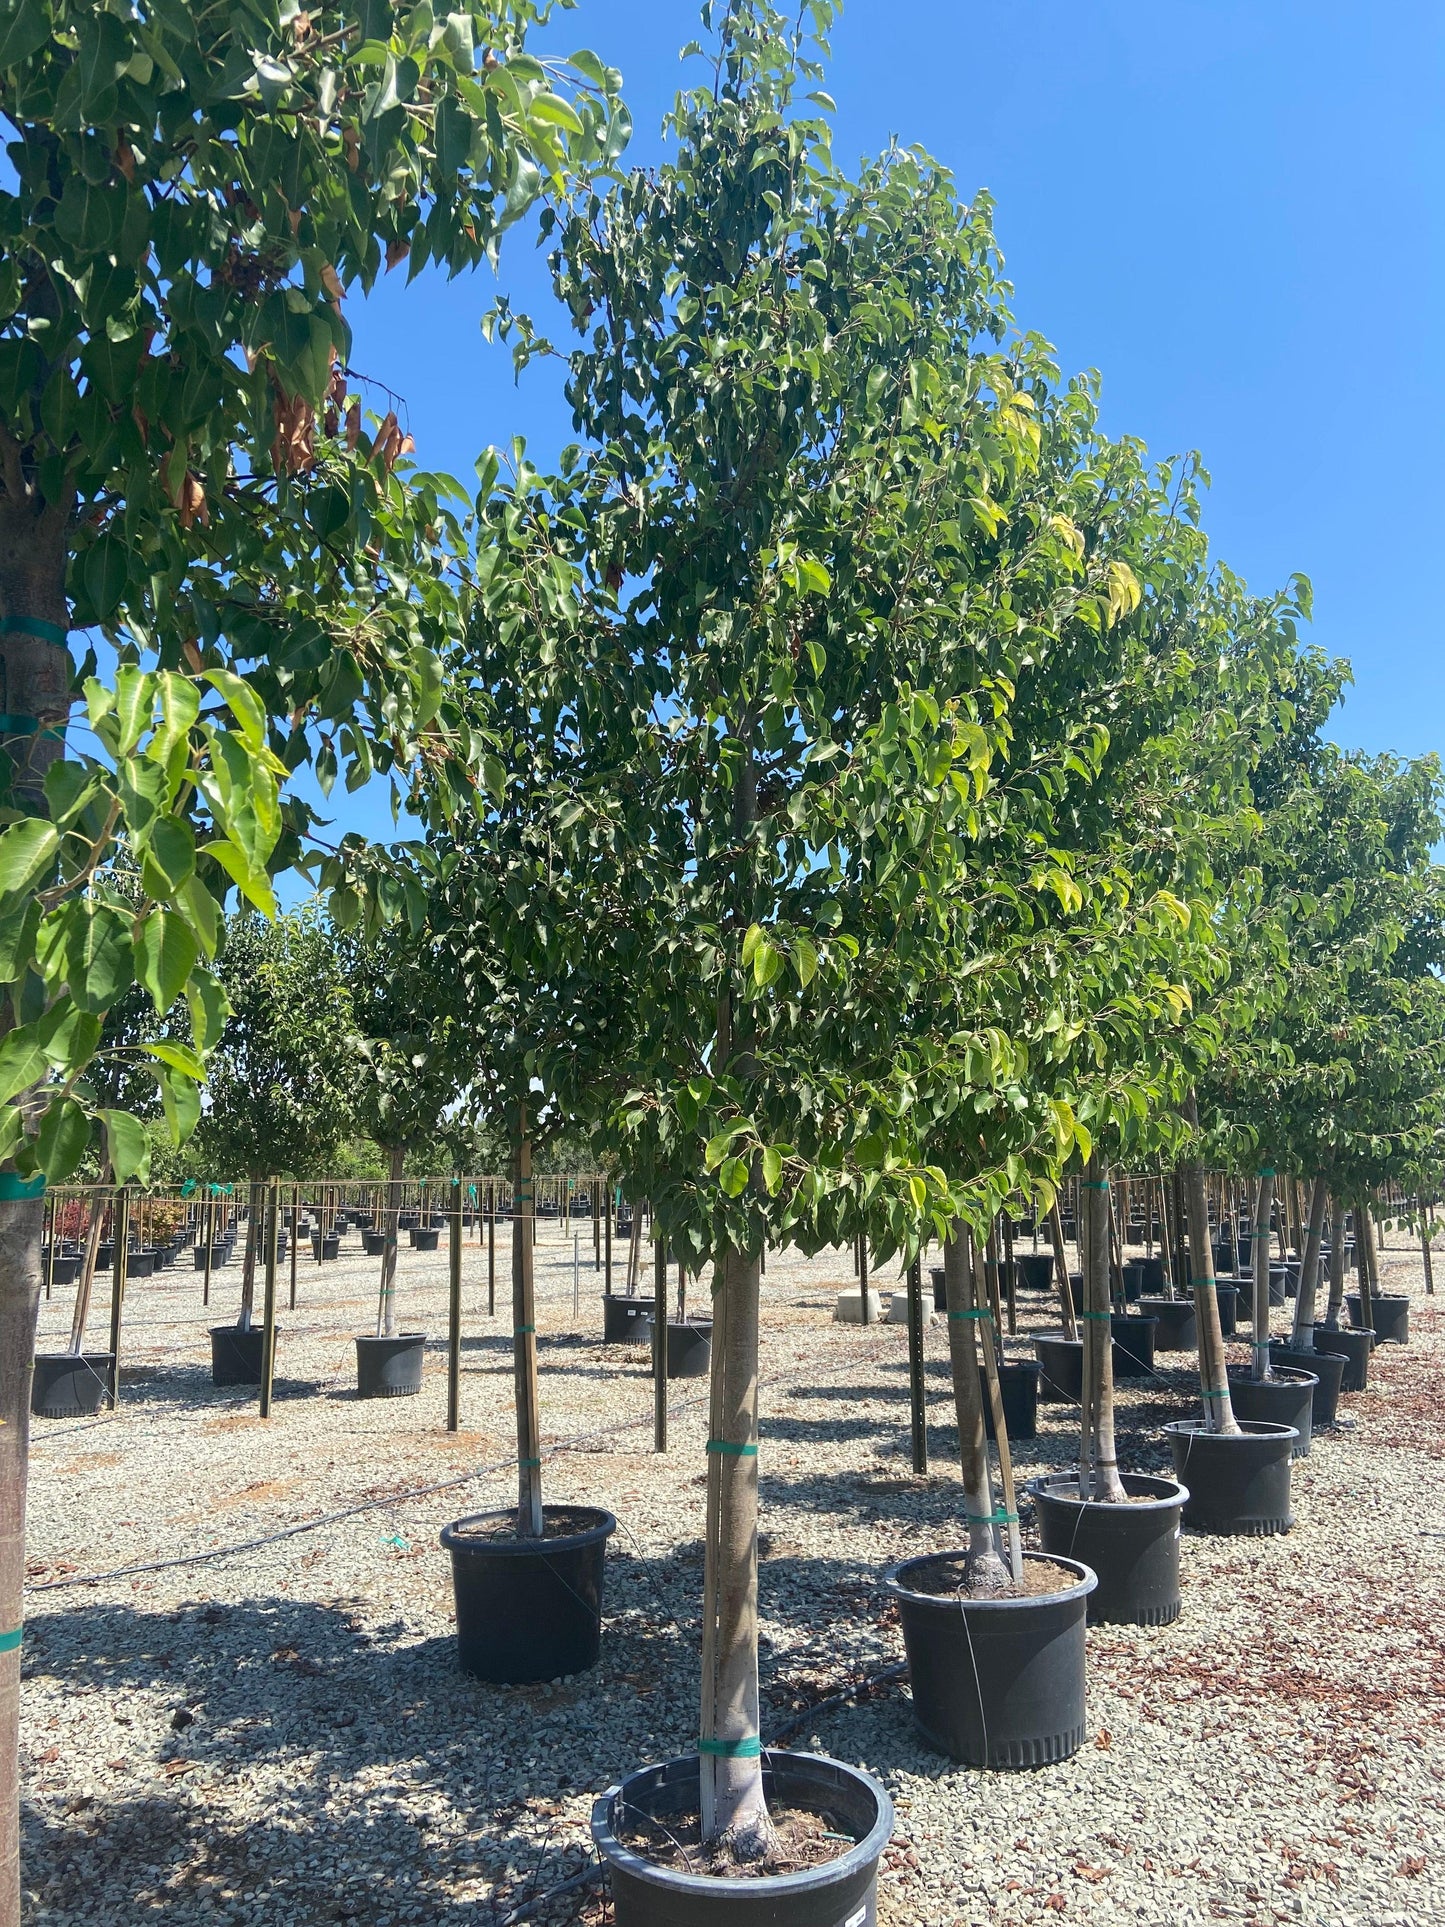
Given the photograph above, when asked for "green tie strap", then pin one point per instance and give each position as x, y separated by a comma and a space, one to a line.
14, 1189
33, 626
1100, 1315
9, 1642
999, 1518
1092, 1184
727, 1449
975, 1313
746, 1749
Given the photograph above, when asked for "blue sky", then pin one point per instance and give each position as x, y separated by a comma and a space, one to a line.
1235, 211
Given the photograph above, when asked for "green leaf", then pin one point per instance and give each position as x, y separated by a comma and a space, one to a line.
253, 884
62, 1140
128, 1145
98, 962
733, 1176
103, 572
22, 1061
168, 857
717, 1147
180, 1057
245, 705
26, 850
135, 696
556, 112
12, 1131
210, 1007
165, 955
772, 1170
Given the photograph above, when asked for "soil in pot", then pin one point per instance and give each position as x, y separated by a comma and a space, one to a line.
635, 1825
626, 1321
1239, 1482
1284, 1398
996, 1682
1061, 1363
1132, 1548
1328, 1369
529, 1609
1354, 1347
1018, 1384
389, 1367
70, 1384
1177, 1327
1391, 1318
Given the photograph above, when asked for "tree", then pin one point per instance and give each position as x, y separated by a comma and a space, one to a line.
281, 1079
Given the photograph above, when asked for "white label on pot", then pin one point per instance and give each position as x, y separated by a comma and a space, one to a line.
857, 1920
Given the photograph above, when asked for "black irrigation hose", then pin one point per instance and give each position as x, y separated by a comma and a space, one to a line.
347, 1512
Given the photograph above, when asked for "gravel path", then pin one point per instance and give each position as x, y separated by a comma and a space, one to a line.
281, 1735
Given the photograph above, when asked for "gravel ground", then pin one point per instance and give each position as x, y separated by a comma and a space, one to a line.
281, 1734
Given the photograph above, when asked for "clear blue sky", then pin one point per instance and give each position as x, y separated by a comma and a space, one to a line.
1235, 210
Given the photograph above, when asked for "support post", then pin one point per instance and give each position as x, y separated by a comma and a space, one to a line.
271, 1228
120, 1231
917, 1389
491, 1249
295, 1241
659, 1345
454, 1312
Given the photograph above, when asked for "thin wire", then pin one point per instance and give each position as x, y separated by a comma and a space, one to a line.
347, 1512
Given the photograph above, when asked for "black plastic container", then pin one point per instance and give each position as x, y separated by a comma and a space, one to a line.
626, 1321
61, 1269
529, 1609
1285, 1398
1018, 1385
70, 1384
1061, 1368
1278, 1283
140, 1264
325, 1248
1151, 1275
996, 1682
689, 1347
1034, 1270
1390, 1318
219, 1254
1132, 1549
1239, 1482
1177, 1326
389, 1367
424, 1237
373, 1243
1227, 1298
236, 1355
840, 1893
1354, 1347
940, 1295
1135, 1282
1133, 1345
1328, 1369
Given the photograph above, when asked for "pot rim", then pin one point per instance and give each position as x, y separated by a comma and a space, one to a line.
391, 1338
1057, 1338
233, 1330
73, 1358
1249, 1429
1038, 1487
740, 1887
1287, 1375
454, 1541
1381, 1297
1081, 1588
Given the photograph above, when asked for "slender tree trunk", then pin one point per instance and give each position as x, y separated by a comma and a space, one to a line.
1370, 1264
1303, 1332
248, 1263
21, 1231
1427, 1225
524, 1341
386, 1303
1337, 1265
734, 1811
1259, 1357
86, 1284
1213, 1379
1098, 1461
985, 1573
634, 1250
1061, 1272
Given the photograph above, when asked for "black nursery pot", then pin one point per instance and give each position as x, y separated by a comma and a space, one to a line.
1135, 1281
1018, 1385
324, 1248
1239, 1483
1134, 1549
626, 1321
1390, 1318
1061, 1368
1034, 1269
1328, 1369
940, 1295
1354, 1347
236, 1355
529, 1609
424, 1238
70, 1384
689, 1345
219, 1255
62, 1270
840, 1893
1227, 1298
373, 1243
1285, 1398
1177, 1326
996, 1682
1133, 1345
389, 1367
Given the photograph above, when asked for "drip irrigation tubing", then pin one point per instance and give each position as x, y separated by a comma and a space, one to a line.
345, 1512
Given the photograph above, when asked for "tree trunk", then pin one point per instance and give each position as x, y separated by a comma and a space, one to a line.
1337, 1265
1369, 1263
21, 1232
985, 1573
524, 1341
734, 1811
248, 1263
1213, 1379
1098, 1462
1259, 1354
386, 1304
1302, 1332
1061, 1271
1427, 1225
86, 1285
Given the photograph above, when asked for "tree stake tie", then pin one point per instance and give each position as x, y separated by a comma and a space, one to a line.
727, 1449
999, 1518
1100, 1315
977, 1312
14, 1188
746, 1749
34, 626
1093, 1184
523, 1331
10, 1642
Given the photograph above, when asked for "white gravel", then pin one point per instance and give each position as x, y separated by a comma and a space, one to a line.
282, 1735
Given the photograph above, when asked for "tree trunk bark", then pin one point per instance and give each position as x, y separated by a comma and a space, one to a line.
248, 1263
985, 1573
1302, 1333
21, 1230
1336, 1297
1098, 1461
1213, 1378
1259, 1352
1061, 1272
524, 1341
734, 1811
386, 1304
1370, 1266
1427, 1225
